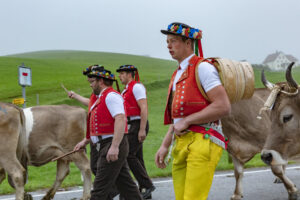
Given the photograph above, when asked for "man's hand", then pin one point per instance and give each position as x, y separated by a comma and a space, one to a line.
71, 94
112, 154
81, 144
160, 157
180, 128
142, 135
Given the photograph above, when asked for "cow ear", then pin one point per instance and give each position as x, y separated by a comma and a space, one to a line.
287, 118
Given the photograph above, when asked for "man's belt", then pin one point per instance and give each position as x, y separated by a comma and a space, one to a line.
132, 118
104, 140
212, 133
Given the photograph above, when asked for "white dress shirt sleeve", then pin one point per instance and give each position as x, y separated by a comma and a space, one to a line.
114, 103
209, 76
139, 91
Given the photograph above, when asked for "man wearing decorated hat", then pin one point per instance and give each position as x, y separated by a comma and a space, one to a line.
193, 119
137, 113
106, 124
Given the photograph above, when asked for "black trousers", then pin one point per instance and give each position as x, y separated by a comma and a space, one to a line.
111, 174
94, 157
135, 158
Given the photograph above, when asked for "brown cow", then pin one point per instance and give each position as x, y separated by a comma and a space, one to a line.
52, 131
283, 143
247, 136
246, 133
49, 132
12, 136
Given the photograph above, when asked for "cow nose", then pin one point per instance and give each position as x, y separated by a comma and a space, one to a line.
267, 158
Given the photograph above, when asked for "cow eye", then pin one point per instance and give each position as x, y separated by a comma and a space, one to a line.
287, 118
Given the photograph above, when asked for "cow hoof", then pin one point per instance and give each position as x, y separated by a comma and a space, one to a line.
277, 180
236, 197
48, 197
85, 198
27, 196
293, 196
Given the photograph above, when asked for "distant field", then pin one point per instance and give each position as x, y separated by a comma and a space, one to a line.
51, 68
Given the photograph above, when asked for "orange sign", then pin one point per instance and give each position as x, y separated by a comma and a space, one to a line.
18, 101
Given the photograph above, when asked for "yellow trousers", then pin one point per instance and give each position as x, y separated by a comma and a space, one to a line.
194, 163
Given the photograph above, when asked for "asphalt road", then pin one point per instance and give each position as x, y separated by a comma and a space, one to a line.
257, 183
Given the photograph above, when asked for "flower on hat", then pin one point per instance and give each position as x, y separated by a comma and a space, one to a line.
187, 32
195, 35
172, 28
191, 33
179, 29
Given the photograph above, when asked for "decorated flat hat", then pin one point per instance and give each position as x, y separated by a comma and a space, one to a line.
130, 68
98, 71
186, 31
101, 72
127, 68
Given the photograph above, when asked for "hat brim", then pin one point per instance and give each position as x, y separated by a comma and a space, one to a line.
171, 33
95, 76
126, 70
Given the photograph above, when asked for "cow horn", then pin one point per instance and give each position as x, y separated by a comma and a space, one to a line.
289, 78
266, 83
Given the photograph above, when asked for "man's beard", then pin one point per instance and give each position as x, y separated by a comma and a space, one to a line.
96, 91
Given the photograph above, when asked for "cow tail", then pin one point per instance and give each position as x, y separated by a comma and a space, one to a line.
21, 149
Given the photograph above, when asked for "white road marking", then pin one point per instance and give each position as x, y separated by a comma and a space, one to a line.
166, 181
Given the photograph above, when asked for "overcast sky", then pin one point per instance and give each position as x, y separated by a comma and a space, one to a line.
235, 29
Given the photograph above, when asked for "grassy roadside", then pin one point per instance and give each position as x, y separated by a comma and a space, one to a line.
49, 69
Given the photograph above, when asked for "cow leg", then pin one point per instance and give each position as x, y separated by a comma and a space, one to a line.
279, 171
15, 170
2, 175
238, 173
61, 172
278, 180
82, 162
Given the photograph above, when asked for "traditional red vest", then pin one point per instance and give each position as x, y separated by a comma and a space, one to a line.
187, 100
131, 106
100, 121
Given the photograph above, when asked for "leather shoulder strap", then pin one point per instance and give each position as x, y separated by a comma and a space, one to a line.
199, 83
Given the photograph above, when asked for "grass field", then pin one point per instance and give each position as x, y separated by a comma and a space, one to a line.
51, 68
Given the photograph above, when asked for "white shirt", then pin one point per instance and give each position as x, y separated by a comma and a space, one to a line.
115, 106
207, 73
139, 91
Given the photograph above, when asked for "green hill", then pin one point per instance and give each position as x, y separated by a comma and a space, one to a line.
51, 68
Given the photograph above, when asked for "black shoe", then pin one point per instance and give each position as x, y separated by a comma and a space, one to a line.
146, 192
121, 197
